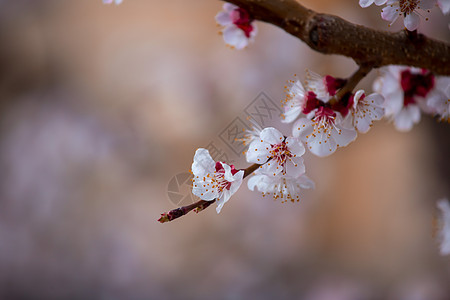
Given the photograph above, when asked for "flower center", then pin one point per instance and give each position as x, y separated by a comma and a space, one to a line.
242, 20
324, 119
415, 85
408, 6
280, 153
220, 180
285, 190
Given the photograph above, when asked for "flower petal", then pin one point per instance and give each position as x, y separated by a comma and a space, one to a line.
272, 136
203, 163
224, 18
235, 37
295, 146
302, 128
407, 117
365, 3
258, 152
390, 13
412, 21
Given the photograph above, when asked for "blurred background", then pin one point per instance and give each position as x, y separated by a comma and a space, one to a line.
102, 105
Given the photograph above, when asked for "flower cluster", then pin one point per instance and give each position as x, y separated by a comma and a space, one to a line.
326, 124
411, 91
239, 28
282, 171
325, 114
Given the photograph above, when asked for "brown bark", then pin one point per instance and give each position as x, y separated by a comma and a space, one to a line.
330, 34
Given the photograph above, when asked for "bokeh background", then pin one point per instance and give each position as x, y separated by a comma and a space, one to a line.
102, 105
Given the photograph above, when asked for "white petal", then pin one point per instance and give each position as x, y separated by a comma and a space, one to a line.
237, 181
390, 13
393, 102
226, 194
235, 37
291, 112
223, 18
321, 145
365, 3
407, 117
271, 168
302, 128
443, 84
203, 163
357, 96
272, 136
305, 182
228, 7
380, 2
258, 152
203, 188
296, 167
412, 21
363, 124
254, 181
228, 175
254, 32
444, 5
343, 136
295, 146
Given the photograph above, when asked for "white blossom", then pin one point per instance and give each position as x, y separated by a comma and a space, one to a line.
239, 29
408, 9
214, 180
276, 152
406, 92
365, 110
324, 133
286, 187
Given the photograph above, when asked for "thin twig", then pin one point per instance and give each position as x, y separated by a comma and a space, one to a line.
352, 82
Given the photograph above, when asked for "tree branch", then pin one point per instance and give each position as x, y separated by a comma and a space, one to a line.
330, 34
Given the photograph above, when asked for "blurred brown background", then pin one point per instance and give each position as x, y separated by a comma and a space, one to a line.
101, 105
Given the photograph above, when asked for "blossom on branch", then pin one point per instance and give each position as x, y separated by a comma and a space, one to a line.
286, 187
306, 98
408, 9
409, 91
324, 133
277, 152
364, 110
239, 28
214, 180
